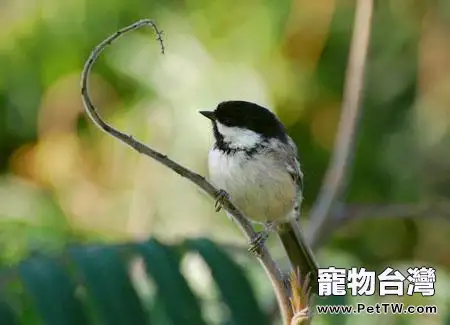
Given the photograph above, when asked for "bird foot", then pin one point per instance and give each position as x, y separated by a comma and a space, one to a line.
258, 242
221, 196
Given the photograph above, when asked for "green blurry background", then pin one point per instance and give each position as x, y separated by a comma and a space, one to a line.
63, 181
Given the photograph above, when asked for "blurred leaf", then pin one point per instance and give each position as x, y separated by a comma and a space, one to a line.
178, 300
106, 279
7, 316
52, 291
447, 319
157, 312
233, 285
111, 297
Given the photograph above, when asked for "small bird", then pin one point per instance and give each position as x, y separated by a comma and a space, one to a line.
255, 164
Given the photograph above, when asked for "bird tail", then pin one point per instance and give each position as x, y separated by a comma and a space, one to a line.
299, 253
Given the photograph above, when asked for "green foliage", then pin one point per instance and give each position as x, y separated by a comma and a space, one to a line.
228, 277
163, 265
92, 285
52, 291
7, 316
106, 280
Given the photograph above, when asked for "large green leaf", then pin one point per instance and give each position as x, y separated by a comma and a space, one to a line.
176, 297
107, 280
52, 291
109, 297
234, 287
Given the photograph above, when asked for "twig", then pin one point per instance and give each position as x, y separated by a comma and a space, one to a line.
345, 213
335, 180
267, 262
300, 303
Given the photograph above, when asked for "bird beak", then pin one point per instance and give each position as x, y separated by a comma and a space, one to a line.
208, 114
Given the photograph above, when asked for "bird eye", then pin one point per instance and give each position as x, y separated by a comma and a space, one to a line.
224, 119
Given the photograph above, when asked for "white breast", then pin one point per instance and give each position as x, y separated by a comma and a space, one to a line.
261, 187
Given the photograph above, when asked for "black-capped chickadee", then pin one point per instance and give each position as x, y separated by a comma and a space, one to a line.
255, 162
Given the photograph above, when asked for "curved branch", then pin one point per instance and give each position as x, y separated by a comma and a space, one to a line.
267, 262
337, 174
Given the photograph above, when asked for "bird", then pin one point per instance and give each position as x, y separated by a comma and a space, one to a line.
255, 164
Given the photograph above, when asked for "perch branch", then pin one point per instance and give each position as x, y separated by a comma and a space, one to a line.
335, 181
264, 258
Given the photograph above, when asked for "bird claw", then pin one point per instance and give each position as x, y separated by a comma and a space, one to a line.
221, 196
257, 242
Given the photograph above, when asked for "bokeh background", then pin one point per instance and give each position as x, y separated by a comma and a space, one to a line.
63, 181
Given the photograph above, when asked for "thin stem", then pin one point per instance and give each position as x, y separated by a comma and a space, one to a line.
336, 177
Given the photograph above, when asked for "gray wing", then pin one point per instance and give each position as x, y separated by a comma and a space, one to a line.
293, 165
294, 169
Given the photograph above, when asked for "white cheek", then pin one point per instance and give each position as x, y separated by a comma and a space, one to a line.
237, 137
